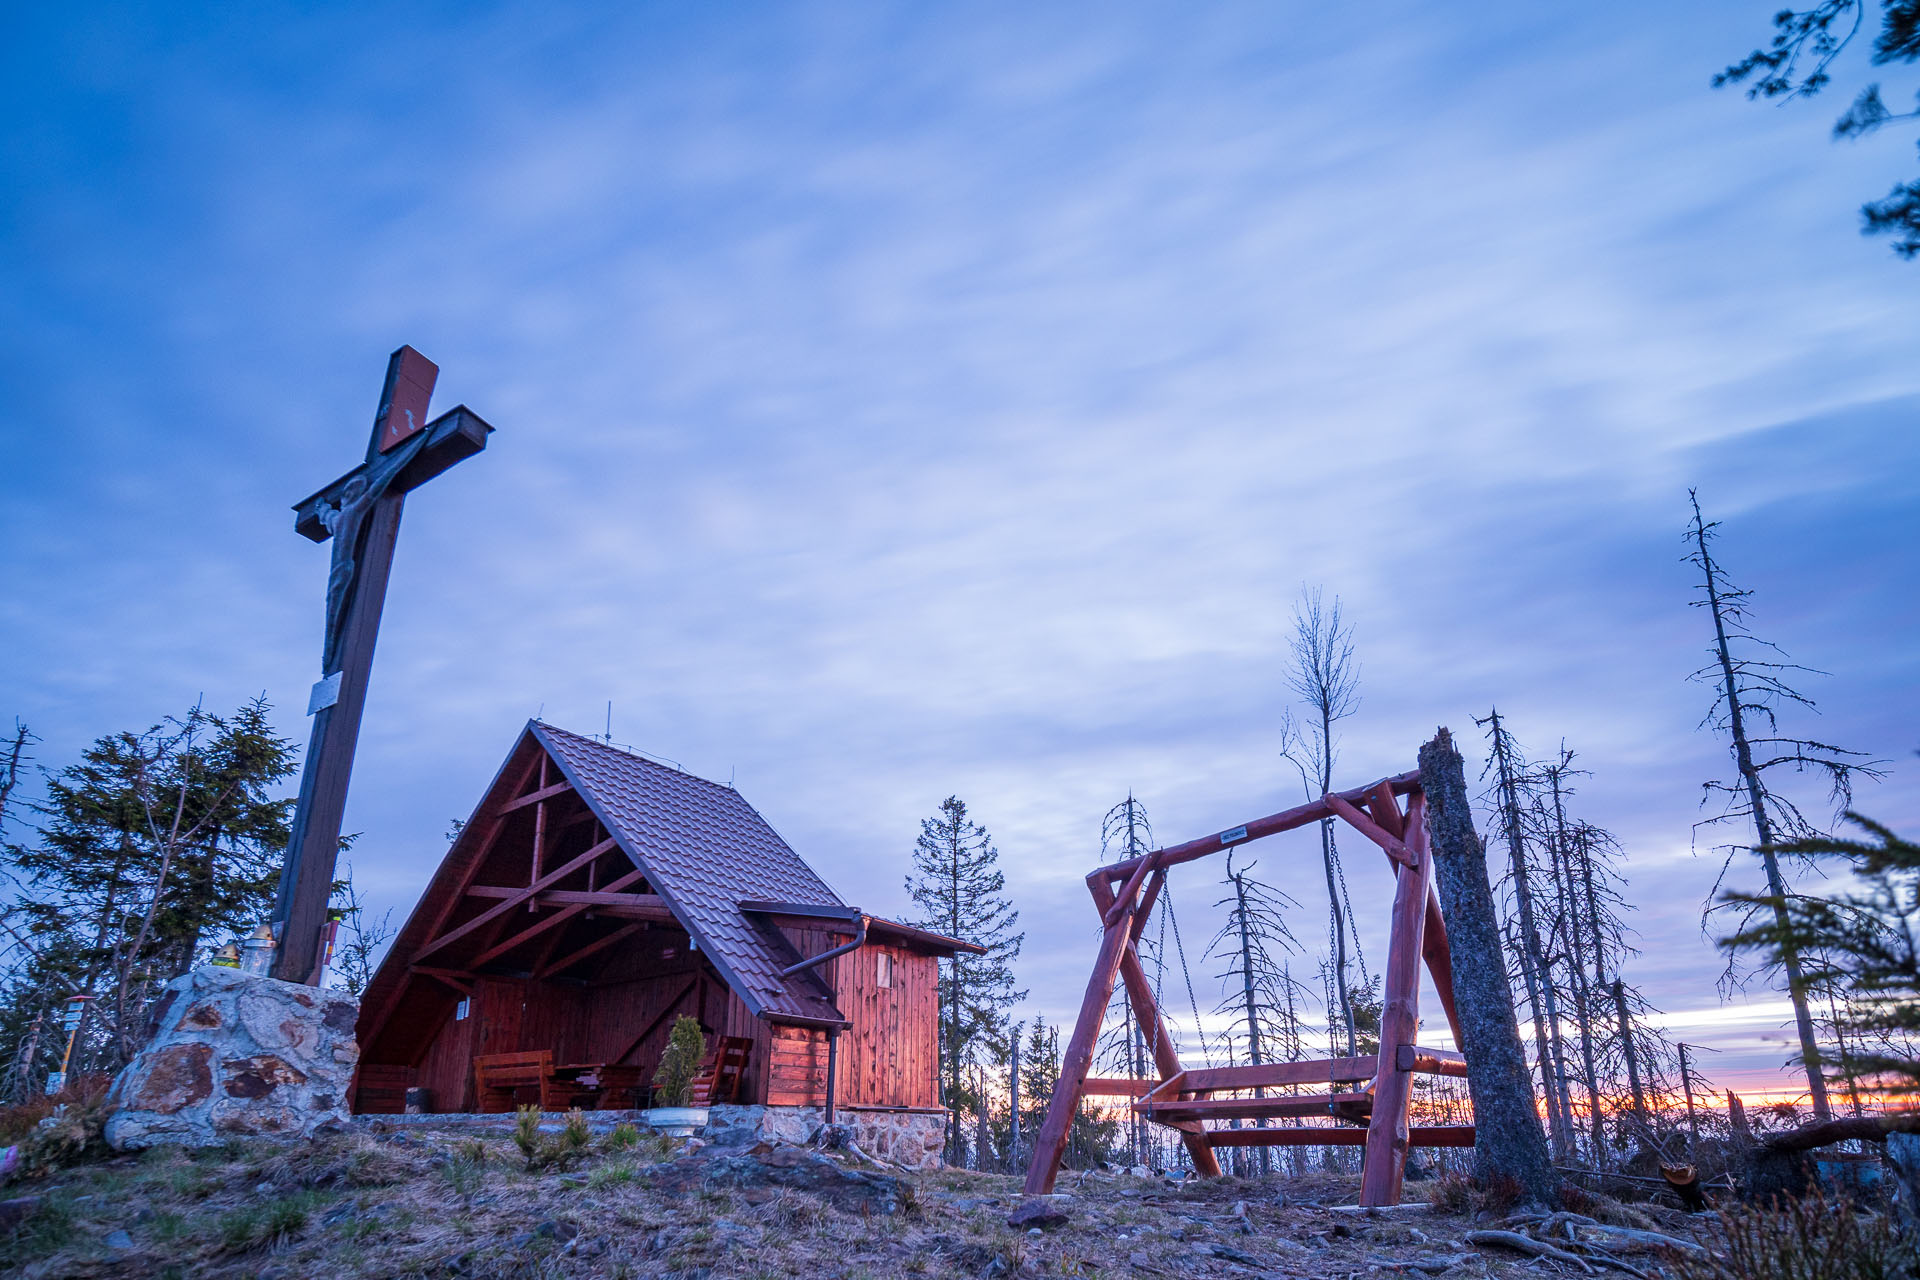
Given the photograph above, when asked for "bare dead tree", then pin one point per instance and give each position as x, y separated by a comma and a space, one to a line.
1323, 675
13, 754
1749, 677
1125, 832
1250, 946
1571, 847
1511, 778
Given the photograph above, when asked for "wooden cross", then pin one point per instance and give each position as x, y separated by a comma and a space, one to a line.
361, 513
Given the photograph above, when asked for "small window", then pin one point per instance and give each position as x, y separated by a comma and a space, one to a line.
883, 975
461, 1010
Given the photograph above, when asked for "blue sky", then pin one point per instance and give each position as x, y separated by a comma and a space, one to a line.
895, 403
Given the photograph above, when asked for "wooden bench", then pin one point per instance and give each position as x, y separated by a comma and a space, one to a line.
498, 1077
381, 1089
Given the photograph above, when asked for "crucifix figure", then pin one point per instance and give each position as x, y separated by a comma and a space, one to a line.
360, 512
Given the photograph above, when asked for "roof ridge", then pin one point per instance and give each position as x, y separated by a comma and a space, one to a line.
635, 755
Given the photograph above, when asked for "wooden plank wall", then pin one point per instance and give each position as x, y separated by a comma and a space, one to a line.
890, 1055
797, 1067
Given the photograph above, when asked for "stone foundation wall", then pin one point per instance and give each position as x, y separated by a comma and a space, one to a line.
914, 1139
234, 1054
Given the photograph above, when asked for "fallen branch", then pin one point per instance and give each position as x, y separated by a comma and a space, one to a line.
1824, 1133
1621, 1237
1527, 1245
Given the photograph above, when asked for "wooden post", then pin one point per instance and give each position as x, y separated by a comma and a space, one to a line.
539, 833
1387, 1133
313, 845
1388, 820
1051, 1143
1118, 958
1146, 1013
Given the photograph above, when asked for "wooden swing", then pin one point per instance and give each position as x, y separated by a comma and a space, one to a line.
1372, 1091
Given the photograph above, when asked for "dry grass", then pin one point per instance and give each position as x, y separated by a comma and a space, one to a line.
446, 1204
1811, 1239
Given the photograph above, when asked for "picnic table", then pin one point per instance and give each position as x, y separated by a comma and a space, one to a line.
499, 1078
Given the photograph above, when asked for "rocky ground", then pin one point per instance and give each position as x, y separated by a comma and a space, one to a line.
439, 1204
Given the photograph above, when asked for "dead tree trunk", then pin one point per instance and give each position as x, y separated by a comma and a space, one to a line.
1542, 1003
1565, 882
1739, 700
1508, 1141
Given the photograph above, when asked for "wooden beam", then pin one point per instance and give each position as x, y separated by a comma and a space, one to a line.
1433, 937
1434, 944
592, 948
1432, 1062
1387, 1137
520, 896
539, 834
1273, 824
1419, 1136
1304, 1104
1371, 830
535, 797
1385, 810
1124, 902
630, 906
1051, 1142
1117, 1087
1273, 1074
553, 921
461, 982
1146, 1009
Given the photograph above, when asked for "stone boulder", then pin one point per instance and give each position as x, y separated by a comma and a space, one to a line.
232, 1055
910, 1139
761, 1175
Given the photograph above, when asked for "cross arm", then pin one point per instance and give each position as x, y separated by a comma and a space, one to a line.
453, 437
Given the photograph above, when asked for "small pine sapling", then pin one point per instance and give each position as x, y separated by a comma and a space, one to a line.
680, 1064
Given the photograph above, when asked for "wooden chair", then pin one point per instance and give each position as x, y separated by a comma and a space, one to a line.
496, 1077
722, 1072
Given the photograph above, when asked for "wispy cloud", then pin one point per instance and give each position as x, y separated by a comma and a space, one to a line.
918, 402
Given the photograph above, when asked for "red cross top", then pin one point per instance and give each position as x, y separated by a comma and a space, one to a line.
403, 410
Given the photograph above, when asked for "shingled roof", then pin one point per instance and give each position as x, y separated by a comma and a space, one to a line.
704, 854
704, 850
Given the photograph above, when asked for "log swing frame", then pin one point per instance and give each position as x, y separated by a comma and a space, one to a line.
1376, 1089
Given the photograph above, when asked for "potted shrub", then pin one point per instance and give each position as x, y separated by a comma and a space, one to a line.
673, 1111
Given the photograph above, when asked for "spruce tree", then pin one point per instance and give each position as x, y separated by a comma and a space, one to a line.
961, 893
1092, 1137
149, 849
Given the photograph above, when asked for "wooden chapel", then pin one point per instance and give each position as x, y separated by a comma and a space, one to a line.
594, 896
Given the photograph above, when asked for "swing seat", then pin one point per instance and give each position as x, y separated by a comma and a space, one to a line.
1184, 1100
